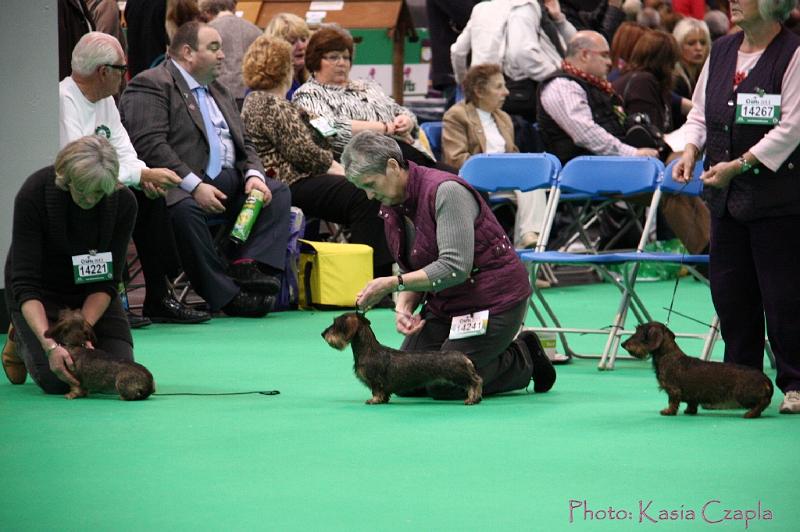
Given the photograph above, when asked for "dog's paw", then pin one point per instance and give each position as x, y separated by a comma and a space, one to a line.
376, 401
470, 402
669, 412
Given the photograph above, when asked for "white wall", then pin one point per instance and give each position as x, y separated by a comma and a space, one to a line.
28, 101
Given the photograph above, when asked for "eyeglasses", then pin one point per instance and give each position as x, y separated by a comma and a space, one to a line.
335, 58
121, 68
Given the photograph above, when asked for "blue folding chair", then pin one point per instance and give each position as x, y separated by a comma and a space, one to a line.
499, 172
433, 131
596, 178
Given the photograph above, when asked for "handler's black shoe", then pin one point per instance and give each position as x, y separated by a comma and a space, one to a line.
544, 374
249, 305
170, 310
249, 277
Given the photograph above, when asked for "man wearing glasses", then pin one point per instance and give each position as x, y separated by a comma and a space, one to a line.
579, 112
87, 107
181, 117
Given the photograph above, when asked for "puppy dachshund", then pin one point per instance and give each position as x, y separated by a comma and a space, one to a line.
386, 371
95, 369
696, 381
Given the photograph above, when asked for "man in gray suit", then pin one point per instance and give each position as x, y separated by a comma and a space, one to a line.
179, 117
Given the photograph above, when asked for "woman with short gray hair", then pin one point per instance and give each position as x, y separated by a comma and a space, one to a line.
72, 224
454, 255
746, 112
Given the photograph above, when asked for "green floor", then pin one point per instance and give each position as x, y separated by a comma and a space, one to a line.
316, 457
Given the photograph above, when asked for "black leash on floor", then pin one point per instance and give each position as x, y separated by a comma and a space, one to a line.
263, 392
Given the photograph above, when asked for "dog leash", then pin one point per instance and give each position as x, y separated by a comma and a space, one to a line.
264, 392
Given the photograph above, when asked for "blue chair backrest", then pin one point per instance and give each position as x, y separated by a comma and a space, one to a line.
692, 188
602, 176
511, 171
433, 130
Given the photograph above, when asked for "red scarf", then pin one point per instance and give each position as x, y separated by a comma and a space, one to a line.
600, 83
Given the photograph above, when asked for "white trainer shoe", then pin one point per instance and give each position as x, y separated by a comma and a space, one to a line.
791, 403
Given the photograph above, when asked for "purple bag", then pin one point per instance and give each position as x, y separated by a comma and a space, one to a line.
288, 296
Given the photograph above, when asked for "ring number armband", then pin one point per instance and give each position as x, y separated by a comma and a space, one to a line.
744, 166
400, 285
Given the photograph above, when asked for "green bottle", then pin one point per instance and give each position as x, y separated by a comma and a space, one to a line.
247, 216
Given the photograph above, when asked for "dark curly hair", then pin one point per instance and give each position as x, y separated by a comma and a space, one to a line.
326, 39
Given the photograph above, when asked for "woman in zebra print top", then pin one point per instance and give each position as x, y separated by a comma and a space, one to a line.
352, 106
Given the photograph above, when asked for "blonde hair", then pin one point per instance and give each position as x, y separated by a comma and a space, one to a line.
89, 163
288, 27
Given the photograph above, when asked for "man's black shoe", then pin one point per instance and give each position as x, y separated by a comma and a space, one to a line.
135, 321
249, 305
170, 310
249, 277
544, 374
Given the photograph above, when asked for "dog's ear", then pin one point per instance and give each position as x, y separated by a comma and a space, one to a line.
654, 335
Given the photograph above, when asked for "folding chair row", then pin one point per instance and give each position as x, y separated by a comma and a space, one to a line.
589, 182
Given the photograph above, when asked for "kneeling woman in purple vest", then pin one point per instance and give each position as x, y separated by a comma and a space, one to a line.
456, 261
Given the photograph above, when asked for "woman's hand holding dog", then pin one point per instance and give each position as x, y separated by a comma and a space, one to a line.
376, 289
61, 364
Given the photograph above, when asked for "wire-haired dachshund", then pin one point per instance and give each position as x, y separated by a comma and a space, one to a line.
696, 381
386, 371
95, 369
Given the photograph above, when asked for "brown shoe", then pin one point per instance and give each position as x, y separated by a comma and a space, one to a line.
12, 364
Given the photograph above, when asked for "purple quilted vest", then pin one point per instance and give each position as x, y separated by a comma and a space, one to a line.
760, 193
498, 280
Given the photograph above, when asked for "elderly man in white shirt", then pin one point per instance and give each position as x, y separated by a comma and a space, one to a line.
87, 107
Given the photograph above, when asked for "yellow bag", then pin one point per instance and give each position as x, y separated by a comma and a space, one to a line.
332, 274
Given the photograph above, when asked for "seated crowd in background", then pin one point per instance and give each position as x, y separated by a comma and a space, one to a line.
190, 159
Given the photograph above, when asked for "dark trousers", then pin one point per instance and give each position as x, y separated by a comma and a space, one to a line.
755, 273
335, 199
156, 247
503, 363
202, 262
112, 330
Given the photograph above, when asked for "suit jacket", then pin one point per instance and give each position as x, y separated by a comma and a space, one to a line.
166, 126
462, 133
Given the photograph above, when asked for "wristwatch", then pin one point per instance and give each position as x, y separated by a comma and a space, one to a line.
400, 285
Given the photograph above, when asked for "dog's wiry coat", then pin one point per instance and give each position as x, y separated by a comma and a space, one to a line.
96, 370
386, 371
694, 381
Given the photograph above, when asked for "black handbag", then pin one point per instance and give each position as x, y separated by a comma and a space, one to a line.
521, 99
